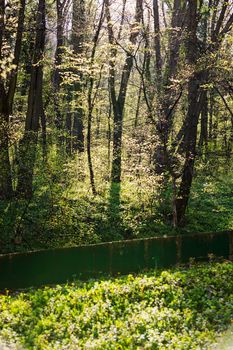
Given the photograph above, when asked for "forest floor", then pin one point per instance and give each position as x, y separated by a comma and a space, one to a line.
181, 308
57, 217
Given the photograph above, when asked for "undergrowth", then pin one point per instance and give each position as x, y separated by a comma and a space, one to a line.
64, 213
182, 308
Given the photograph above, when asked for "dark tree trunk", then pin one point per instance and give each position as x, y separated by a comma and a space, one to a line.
203, 141
68, 122
192, 113
78, 126
117, 143
17, 51
167, 94
211, 113
109, 133
89, 158
190, 148
6, 190
118, 102
157, 43
28, 144
91, 101
5, 168
44, 131
58, 61
78, 39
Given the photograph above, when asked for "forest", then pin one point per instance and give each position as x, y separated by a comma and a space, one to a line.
116, 120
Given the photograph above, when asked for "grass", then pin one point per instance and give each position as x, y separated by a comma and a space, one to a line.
182, 308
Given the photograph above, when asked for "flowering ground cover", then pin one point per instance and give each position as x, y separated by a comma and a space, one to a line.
182, 308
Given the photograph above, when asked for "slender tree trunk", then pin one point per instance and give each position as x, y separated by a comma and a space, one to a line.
98, 121
17, 50
44, 131
58, 61
90, 165
109, 133
211, 113
6, 190
28, 144
168, 94
91, 100
118, 102
157, 43
78, 39
68, 122
203, 141
78, 126
138, 106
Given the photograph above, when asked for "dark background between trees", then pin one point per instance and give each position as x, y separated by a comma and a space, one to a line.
116, 120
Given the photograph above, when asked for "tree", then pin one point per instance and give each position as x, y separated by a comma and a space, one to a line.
91, 100
118, 101
7, 97
62, 9
196, 92
78, 42
28, 144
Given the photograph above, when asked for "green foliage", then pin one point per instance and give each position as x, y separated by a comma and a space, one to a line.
176, 309
63, 211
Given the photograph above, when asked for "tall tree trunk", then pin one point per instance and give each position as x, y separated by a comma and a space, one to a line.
192, 113
28, 144
157, 44
78, 39
196, 94
6, 190
91, 101
58, 61
109, 134
17, 51
5, 168
89, 158
68, 121
203, 141
211, 114
78, 126
167, 96
118, 102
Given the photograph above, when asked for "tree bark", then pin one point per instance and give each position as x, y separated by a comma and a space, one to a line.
203, 141
91, 101
17, 51
58, 60
6, 190
192, 113
157, 44
118, 102
196, 94
28, 144
78, 39
167, 92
